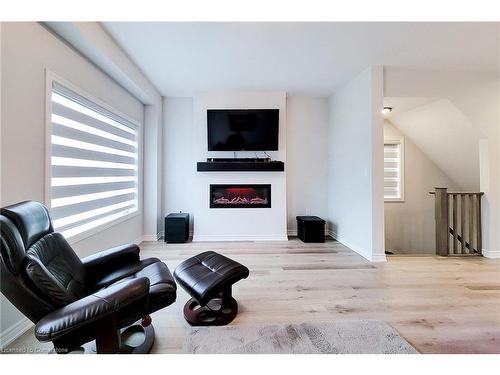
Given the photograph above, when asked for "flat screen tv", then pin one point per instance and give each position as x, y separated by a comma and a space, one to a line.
243, 129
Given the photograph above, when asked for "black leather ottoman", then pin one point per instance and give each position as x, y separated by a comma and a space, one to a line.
208, 278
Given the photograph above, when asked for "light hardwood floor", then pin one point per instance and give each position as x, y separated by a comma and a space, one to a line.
440, 305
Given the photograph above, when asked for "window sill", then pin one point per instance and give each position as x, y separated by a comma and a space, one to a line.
395, 200
91, 232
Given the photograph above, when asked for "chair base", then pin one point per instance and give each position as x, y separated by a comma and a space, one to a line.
134, 339
218, 312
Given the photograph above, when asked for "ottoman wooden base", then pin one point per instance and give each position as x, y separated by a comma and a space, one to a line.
214, 313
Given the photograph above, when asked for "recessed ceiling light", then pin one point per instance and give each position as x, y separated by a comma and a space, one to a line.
386, 110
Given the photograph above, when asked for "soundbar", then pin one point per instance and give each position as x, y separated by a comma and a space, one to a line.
240, 166
238, 160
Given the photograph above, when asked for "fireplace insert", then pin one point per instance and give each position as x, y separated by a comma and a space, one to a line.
240, 196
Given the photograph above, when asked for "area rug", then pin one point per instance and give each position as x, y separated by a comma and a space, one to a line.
339, 337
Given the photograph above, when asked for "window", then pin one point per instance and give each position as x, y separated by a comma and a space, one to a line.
93, 158
394, 169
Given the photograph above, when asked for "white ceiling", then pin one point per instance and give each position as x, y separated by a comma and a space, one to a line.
301, 58
400, 105
443, 133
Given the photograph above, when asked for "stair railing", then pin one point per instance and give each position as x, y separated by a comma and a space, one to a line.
458, 222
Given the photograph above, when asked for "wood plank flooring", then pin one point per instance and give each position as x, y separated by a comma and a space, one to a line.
440, 305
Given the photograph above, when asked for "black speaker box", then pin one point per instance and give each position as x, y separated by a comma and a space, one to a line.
177, 228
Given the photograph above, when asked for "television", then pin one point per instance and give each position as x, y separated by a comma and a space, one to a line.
243, 129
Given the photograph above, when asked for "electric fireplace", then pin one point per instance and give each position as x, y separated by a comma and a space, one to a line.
240, 196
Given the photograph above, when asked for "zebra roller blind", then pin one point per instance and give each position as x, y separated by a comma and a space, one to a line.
94, 164
393, 170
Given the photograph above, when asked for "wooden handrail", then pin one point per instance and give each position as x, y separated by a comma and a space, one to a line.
460, 192
458, 222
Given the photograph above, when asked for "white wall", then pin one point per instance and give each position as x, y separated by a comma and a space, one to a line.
355, 165
93, 42
152, 168
185, 189
307, 152
238, 223
179, 160
306, 177
477, 95
27, 49
409, 225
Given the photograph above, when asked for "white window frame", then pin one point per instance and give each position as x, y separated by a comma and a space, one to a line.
50, 78
401, 142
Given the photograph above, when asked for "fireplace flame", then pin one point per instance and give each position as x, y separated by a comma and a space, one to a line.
240, 196
240, 200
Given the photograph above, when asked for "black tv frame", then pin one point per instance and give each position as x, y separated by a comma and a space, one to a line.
210, 144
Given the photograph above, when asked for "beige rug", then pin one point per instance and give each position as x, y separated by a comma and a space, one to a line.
339, 337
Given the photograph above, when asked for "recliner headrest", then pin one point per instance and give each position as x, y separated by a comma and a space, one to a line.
11, 245
31, 219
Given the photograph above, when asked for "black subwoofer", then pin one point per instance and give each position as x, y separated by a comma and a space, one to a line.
177, 228
311, 229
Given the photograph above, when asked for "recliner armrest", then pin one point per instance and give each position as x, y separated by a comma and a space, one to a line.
99, 264
83, 317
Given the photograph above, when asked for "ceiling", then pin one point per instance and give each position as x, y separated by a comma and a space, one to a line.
301, 58
445, 135
400, 105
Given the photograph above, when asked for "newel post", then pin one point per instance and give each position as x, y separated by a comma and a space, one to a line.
441, 217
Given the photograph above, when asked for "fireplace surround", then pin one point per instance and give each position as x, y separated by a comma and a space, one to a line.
240, 196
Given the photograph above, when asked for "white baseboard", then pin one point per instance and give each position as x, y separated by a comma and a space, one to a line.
491, 254
233, 238
152, 237
379, 258
149, 237
14, 331
354, 247
138, 240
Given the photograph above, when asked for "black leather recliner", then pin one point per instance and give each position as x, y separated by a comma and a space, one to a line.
73, 301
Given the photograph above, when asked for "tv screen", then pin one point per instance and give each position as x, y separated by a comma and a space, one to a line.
243, 129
